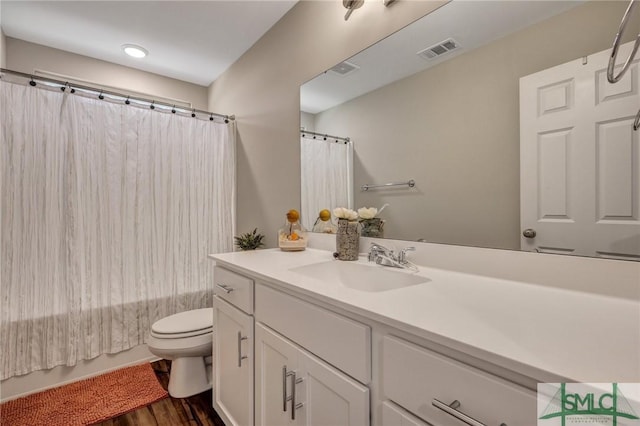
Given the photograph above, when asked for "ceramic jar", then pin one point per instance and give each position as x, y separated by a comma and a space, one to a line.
372, 227
347, 240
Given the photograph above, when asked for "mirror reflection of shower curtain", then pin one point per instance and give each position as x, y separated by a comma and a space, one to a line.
326, 177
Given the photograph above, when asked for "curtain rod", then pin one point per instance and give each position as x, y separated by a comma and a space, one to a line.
101, 92
325, 136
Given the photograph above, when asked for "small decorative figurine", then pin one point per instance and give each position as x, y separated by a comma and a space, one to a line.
323, 223
292, 237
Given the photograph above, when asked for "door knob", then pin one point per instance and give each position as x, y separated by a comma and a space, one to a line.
529, 233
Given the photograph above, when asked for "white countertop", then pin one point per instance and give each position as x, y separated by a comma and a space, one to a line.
546, 333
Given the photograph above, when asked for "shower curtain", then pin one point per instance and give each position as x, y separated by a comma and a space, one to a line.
326, 177
108, 212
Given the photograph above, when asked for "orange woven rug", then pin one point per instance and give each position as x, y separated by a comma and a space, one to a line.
85, 402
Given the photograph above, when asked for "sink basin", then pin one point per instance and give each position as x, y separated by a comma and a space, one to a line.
364, 277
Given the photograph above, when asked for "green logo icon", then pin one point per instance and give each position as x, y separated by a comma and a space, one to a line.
583, 404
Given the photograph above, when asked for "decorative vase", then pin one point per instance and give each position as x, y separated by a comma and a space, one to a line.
324, 227
347, 240
292, 237
372, 227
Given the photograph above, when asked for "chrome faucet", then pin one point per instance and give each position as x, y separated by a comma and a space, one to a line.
402, 256
387, 257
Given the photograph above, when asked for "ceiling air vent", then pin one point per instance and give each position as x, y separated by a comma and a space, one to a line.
344, 68
439, 49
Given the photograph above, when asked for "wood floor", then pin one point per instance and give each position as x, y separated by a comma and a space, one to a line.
195, 410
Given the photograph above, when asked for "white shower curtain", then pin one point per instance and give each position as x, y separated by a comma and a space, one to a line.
108, 213
326, 177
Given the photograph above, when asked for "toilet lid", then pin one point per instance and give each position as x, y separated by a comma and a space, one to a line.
197, 320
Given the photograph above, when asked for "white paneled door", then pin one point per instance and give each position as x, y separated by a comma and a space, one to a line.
580, 160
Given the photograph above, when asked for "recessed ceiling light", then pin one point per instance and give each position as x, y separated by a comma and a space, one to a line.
134, 50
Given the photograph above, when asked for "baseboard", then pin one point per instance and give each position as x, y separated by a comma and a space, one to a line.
15, 387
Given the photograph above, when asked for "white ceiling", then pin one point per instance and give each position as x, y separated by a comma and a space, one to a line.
194, 41
470, 23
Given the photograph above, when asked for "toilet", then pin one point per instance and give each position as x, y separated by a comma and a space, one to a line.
185, 338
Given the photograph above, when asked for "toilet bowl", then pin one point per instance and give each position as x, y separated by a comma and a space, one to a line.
186, 339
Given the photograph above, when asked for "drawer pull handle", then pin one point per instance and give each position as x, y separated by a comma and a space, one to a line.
294, 406
285, 398
451, 410
240, 356
226, 288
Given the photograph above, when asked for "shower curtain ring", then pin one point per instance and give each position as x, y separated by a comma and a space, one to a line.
127, 101
152, 106
173, 110
193, 114
101, 96
32, 83
211, 117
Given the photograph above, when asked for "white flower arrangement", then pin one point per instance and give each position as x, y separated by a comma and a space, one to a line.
344, 213
367, 213
370, 212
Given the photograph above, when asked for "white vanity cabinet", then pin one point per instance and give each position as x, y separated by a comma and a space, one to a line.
293, 387
439, 354
233, 348
443, 391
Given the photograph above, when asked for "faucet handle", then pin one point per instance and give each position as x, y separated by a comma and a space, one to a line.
402, 256
376, 250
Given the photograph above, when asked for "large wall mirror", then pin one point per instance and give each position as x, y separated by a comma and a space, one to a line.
501, 114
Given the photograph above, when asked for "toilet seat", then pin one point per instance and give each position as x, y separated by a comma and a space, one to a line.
192, 323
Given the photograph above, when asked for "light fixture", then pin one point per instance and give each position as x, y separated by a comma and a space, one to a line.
135, 51
351, 5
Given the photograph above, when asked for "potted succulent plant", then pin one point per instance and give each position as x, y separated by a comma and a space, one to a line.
250, 240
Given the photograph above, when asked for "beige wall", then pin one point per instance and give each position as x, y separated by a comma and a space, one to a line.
3, 50
262, 89
27, 57
307, 121
455, 130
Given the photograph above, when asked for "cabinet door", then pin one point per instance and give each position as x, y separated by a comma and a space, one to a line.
233, 391
276, 362
329, 397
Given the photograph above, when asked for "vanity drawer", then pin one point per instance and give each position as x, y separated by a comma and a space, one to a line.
234, 288
392, 415
415, 377
342, 342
